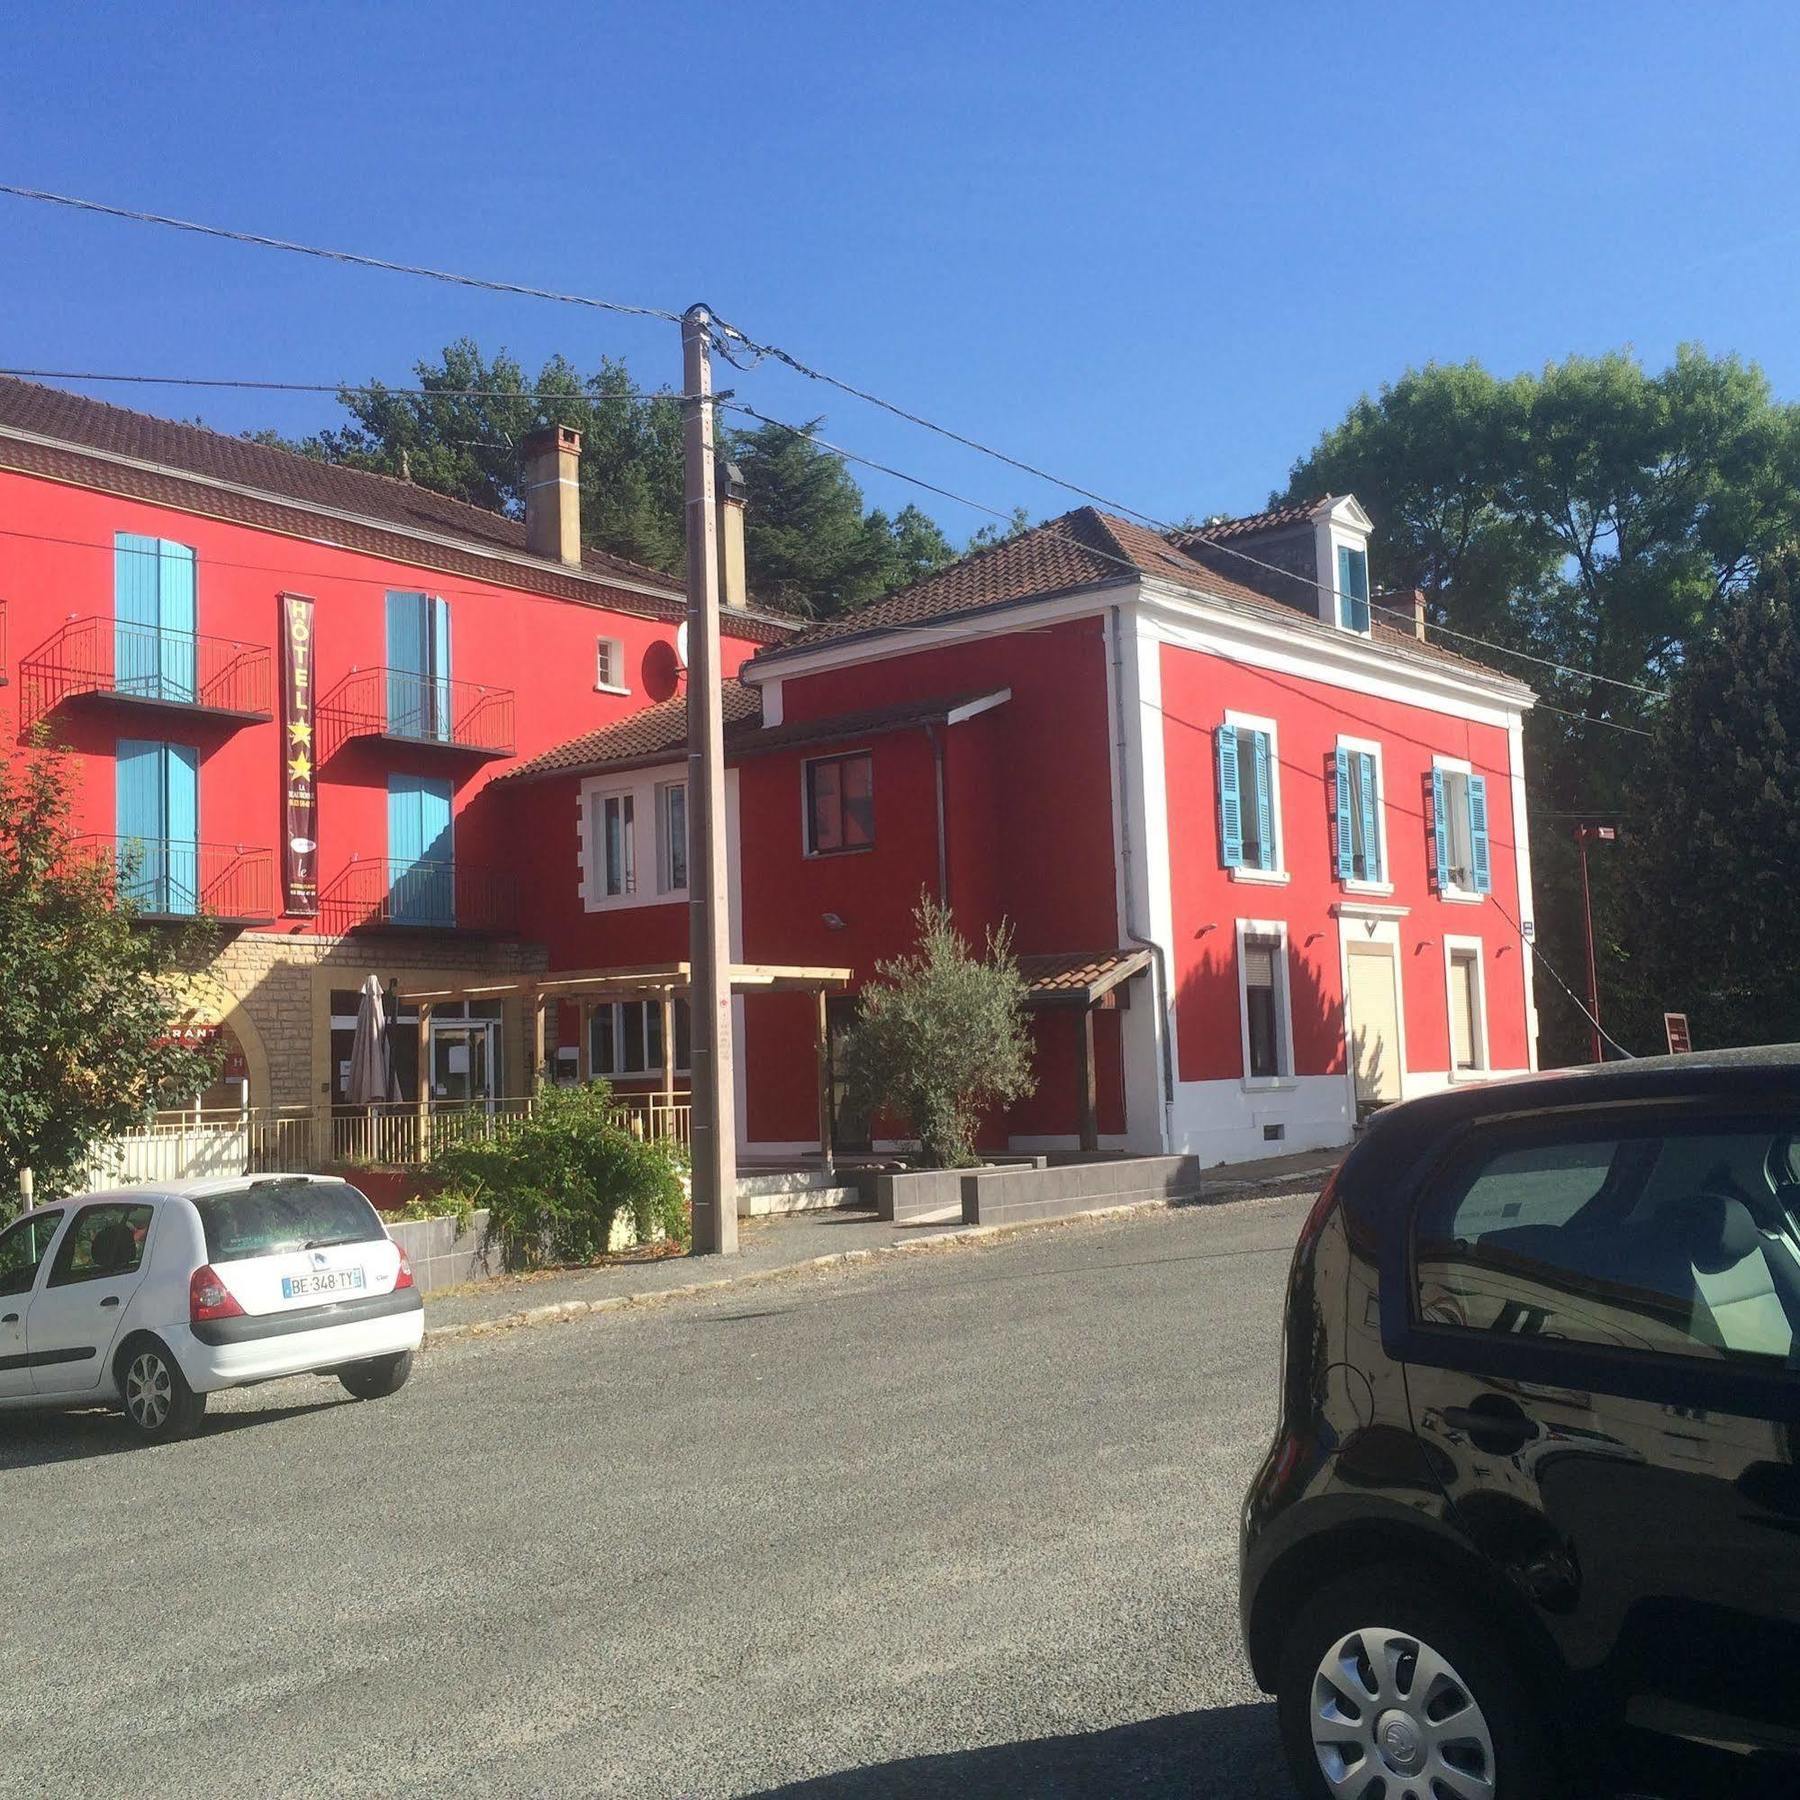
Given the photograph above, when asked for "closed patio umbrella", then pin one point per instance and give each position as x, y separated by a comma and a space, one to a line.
372, 1080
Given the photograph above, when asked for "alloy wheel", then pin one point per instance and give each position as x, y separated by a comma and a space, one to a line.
149, 1393
1392, 1720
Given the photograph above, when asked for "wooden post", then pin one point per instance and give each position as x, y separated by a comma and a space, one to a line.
1086, 1089
421, 1149
668, 1068
822, 1046
584, 1044
540, 1040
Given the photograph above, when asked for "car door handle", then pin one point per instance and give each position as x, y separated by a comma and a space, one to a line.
9, 1319
110, 1300
1493, 1423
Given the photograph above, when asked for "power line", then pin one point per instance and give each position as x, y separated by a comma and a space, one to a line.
338, 256
1542, 661
1589, 719
1540, 960
336, 387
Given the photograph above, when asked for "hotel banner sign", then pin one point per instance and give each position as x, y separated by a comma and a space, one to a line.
300, 798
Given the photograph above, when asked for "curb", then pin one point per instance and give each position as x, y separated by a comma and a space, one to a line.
558, 1312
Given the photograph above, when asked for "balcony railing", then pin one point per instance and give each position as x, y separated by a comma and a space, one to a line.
373, 894
465, 716
172, 879
144, 665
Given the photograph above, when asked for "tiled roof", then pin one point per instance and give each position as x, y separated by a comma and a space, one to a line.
1274, 518
376, 513
1077, 978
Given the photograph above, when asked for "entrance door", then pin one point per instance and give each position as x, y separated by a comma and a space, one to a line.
849, 1127
1374, 1024
463, 1062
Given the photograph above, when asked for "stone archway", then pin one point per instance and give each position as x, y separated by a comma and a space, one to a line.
210, 1011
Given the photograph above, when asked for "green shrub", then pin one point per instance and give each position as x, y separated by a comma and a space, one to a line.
446, 1203
555, 1182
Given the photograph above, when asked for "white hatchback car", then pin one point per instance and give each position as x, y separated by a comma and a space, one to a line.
153, 1297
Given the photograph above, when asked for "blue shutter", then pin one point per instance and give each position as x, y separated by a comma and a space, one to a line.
1440, 832
1346, 843
140, 821
1371, 825
421, 873
1265, 802
1231, 824
181, 815
177, 621
440, 667
408, 653
137, 614
1478, 833
1353, 588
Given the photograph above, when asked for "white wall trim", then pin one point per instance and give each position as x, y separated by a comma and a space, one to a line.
1478, 1026
1515, 750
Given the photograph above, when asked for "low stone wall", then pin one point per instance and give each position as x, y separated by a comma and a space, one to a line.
934, 1196
441, 1256
1018, 1196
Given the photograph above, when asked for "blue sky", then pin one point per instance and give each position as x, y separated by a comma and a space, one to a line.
1156, 247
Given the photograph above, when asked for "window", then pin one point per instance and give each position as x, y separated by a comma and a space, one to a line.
609, 666
157, 820
1669, 1242
102, 1242
418, 666
1361, 829
626, 1037
614, 834
1262, 966
1459, 827
154, 618
421, 851
269, 1217
840, 804
1249, 797
671, 837
22, 1248
1353, 588
1468, 1020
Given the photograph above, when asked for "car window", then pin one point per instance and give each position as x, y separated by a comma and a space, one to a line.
103, 1241
268, 1217
22, 1248
1663, 1241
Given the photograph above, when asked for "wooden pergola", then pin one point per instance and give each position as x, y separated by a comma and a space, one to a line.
658, 982
1085, 983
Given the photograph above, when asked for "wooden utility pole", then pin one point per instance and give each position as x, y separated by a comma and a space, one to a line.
714, 1121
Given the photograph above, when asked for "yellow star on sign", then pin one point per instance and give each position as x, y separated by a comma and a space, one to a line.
300, 732
300, 765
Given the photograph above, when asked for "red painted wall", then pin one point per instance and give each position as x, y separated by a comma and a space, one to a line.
1197, 689
56, 560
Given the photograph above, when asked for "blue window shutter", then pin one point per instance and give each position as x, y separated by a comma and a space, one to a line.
1478, 834
1371, 824
1353, 588
177, 618
181, 813
1265, 802
407, 656
421, 874
1346, 845
1231, 824
140, 821
440, 667
137, 614
1440, 832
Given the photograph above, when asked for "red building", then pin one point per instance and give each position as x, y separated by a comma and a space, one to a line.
1263, 850
145, 573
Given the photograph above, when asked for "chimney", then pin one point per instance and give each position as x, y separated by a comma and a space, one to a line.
733, 584
1418, 606
552, 468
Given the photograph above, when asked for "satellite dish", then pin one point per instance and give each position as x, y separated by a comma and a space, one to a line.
681, 643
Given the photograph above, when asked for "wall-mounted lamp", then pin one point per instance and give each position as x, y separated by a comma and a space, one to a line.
1201, 931
832, 921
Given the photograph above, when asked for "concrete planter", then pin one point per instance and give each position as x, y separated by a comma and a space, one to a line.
1018, 1196
934, 1196
442, 1257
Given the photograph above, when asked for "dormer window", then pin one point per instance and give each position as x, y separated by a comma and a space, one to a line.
1353, 588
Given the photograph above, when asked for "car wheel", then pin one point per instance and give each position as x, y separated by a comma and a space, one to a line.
1387, 1691
380, 1376
157, 1400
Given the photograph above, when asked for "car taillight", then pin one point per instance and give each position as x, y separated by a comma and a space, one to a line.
209, 1297
404, 1278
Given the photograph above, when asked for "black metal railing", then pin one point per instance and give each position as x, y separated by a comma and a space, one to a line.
375, 893
172, 878
145, 663
418, 709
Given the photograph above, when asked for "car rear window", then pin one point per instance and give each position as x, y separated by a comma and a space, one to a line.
268, 1217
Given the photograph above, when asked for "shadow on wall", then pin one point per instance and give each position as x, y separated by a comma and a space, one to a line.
1209, 1008
1227, 1750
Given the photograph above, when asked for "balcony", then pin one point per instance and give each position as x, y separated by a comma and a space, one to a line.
463, 717
102, 659
162, 880
373, 894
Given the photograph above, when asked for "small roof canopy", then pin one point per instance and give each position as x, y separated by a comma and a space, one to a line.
1078, 978
633, 980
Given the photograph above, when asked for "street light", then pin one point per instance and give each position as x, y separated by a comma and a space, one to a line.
1584, 835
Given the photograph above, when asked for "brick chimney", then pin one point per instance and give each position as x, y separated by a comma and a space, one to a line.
551, 456
1418, 613
734, 587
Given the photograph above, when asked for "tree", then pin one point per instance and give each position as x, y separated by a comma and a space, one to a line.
86, 1037
941, 1036
1016, 526
915, 547
1705, 909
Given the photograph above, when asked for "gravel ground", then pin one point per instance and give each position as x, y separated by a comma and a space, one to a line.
955, 1524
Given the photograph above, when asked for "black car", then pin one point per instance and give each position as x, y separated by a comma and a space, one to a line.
1530, 1523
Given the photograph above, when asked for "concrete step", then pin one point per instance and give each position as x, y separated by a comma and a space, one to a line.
782, 1181
763, 1203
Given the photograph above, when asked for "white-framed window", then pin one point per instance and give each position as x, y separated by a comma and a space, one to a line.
1265, 1002
612, 844
671, 838
1360, 817
1461, 863
1249, 771
609, 666
625, 1037
1465, 982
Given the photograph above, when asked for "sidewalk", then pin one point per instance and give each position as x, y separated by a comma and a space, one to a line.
774, 1245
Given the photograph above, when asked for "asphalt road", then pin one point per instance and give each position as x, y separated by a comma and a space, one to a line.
962, 1523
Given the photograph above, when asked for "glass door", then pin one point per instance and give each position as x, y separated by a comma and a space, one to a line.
463, 1061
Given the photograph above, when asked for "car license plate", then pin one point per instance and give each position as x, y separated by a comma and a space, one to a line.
327, 1281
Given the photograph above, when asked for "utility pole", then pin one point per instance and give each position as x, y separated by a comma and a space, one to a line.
1584, 834
714, 1111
